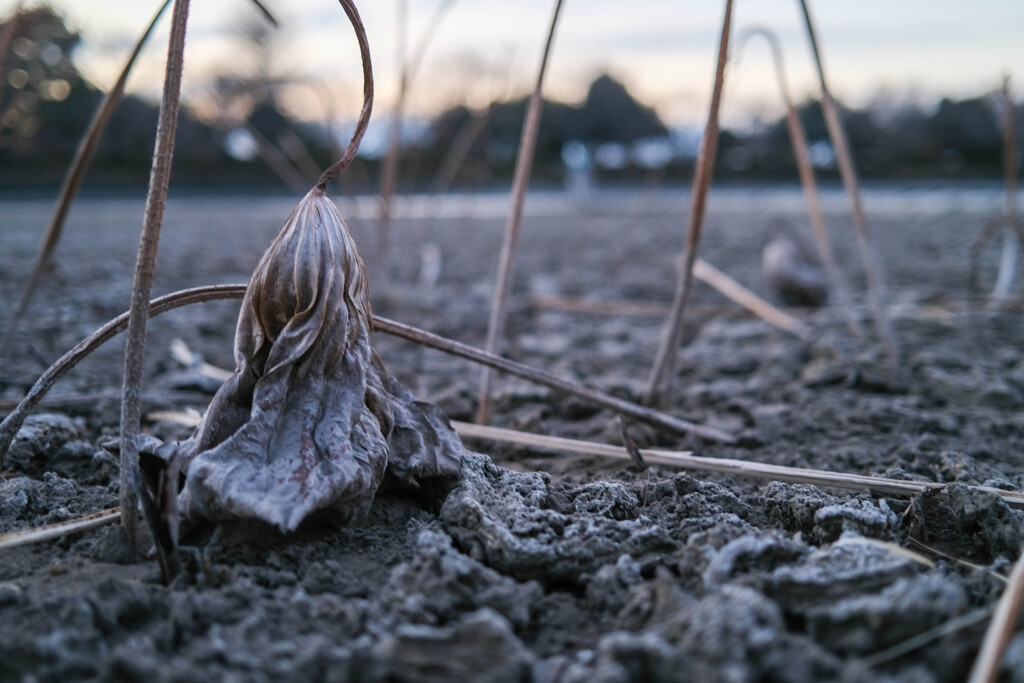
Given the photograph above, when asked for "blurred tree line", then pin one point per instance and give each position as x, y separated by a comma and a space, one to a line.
46, 104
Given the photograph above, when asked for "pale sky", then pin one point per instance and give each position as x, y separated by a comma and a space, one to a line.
664, 50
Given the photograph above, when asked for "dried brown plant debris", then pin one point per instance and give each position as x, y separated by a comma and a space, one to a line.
311, 418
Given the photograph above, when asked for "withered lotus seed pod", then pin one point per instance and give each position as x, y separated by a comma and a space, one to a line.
311, 419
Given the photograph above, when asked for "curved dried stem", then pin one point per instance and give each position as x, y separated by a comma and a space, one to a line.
848, 173
665, 361
159, 180
364, 115
510, 242
798, 139
13, 422
75, 176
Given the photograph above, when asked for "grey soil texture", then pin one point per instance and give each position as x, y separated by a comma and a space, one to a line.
540, 566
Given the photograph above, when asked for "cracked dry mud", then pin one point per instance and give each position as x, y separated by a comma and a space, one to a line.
540, 566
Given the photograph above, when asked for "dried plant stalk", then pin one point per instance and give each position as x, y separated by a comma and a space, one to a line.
12, 423
510, 242
702, 270
74, 177
159, 180
1011, 243
665, 362
50, 532
459, 148
310, 419
848, 173
1001, 629
798, 140
278, 162
389, 173
743, 468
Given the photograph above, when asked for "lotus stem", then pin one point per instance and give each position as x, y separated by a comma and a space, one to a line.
665, 362
510, 242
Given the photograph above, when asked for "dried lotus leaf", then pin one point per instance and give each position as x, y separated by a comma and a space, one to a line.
310, 419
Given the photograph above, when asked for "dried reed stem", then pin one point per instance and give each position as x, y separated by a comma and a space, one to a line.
920, 640
848, 173
743, 468
159, 180
798, 140
278, 162
265, 12
702, 270
664, 368
49, 532
459, 148
92, 398
1011, 243
1000, 629
13, 422
364, 114
557, 443
74, 177
491, 360
510, 242
389, 174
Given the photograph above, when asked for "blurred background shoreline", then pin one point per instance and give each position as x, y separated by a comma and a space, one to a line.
242, 133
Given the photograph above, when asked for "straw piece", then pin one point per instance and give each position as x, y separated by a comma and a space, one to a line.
1000, 630
931, 635
707, 273
554, 443
510, 241
49, 532
743, 468
600, 306
702, 270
